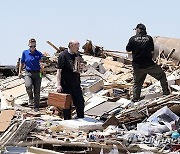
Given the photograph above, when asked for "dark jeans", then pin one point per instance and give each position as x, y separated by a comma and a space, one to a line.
140, 75
33, 85
78, 101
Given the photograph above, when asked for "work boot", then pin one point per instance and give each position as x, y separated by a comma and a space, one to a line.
31, 101
36, 109
130, 105
137, 100
134, 100
167, 92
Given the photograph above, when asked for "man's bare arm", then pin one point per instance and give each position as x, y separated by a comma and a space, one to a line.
21, 66
58, 75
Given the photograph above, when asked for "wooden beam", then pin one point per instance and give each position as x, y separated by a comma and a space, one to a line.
56, 48
170, 54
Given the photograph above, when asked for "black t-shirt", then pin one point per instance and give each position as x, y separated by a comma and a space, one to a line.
141, 47
69, 78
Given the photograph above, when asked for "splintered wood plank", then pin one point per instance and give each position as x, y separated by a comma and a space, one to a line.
5, 119
15, 91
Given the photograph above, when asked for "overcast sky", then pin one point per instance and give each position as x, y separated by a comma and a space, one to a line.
108, 23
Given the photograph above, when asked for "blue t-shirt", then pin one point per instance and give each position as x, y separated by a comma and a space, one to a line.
31, 60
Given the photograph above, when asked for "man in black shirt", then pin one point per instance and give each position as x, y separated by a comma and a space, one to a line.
142, 47
68, 80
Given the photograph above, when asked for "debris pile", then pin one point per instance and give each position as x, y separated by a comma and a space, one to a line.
112, 124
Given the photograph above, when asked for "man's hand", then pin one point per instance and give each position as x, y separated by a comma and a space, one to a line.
129, 54
20, 75
81, 67
21, 66
59, 89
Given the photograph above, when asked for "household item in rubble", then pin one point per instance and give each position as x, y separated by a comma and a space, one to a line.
91, 84
150, 128
130, 138
59, 100
164, 116
175, 135
79, 64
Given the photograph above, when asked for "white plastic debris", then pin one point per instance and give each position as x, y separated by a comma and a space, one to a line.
84, 124
150, 128
114, 150
161, 121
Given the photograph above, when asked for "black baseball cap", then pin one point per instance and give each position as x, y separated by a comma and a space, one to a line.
140, 26
32, 40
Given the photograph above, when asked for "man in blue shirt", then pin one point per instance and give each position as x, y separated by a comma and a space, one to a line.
30, 60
